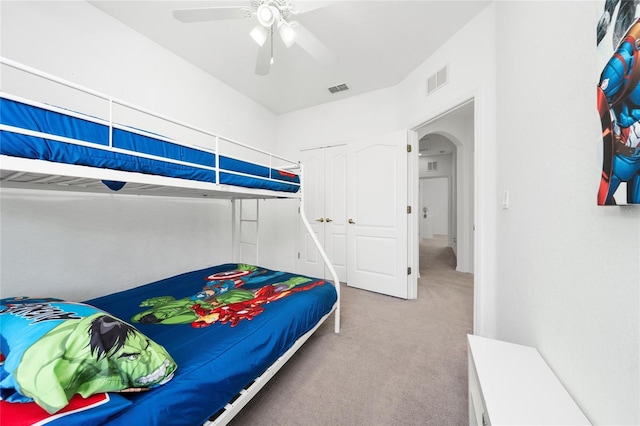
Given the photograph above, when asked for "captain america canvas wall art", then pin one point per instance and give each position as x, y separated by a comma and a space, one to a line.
618, 101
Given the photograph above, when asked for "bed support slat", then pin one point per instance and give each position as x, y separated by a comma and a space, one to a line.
14, 176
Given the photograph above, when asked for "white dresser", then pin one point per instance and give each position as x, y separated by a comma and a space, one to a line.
512, 385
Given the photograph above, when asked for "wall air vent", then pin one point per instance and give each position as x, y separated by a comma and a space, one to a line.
438, 79
432, 166
338, 88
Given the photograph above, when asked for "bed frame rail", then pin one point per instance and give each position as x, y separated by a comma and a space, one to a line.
27, 85
245, 395
16, 172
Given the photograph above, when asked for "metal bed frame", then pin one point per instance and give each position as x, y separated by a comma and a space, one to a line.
26, 173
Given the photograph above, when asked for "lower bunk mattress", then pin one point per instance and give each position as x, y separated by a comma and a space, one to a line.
223, 326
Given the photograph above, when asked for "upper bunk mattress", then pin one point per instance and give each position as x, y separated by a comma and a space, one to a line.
217, 354
47, 134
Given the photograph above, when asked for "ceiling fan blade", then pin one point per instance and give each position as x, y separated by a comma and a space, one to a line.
263, 63
312, 45
310, 5
188, 16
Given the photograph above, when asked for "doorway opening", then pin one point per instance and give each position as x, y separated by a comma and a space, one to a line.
437, 209
437, 192
446, 183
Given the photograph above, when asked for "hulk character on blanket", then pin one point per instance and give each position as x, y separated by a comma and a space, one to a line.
55, 349
224, 299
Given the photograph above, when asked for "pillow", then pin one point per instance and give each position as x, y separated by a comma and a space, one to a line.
55, 349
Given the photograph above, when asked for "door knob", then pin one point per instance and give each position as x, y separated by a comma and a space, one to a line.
320, 220
329, 220
351, 222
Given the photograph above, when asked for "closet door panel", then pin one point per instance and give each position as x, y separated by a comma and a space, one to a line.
335, 204
377, 236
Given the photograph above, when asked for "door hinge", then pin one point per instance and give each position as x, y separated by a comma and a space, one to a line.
298, 255
408, 148
409, 270
408, 209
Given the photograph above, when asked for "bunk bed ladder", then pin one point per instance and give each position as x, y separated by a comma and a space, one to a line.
245, 230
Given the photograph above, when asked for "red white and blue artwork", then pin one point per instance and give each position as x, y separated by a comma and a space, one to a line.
618, 101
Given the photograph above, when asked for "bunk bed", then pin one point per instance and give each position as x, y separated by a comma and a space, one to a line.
228, 328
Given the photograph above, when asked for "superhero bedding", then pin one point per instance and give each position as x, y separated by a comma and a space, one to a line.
221, 326
43, 132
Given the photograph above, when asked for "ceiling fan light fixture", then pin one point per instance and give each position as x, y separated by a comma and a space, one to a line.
259, 34
267, 15
271, 15
287, 34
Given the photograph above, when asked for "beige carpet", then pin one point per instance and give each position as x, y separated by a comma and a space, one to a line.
395, 362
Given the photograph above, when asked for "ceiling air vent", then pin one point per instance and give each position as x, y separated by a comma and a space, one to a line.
339, 88
438, 79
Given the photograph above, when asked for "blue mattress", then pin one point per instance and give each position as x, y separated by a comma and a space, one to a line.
97, 152
216, 361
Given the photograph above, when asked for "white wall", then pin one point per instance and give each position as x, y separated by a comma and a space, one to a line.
335, 122
445, 165
568, 274
78, 42
79, 245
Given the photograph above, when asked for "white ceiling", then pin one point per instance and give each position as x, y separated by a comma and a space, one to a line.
377, 43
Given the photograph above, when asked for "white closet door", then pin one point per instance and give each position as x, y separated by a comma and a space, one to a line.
325, 195
335, 208
377, 234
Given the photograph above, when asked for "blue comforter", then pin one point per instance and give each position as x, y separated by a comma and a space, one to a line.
217, 353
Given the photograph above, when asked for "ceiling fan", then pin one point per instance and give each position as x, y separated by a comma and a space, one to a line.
273, 16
